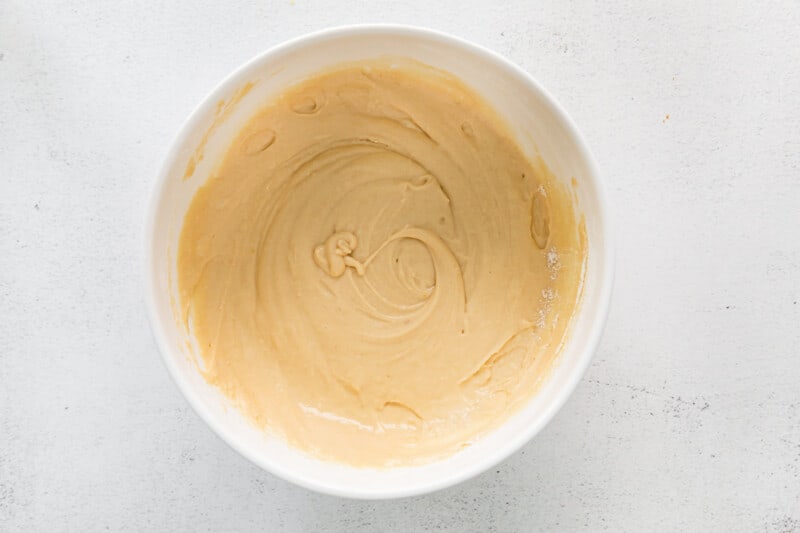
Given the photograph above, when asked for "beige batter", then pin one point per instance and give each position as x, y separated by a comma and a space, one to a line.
375, 272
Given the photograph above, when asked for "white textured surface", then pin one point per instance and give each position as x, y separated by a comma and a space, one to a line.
689, 417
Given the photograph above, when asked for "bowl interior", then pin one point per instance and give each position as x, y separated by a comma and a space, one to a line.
541, 129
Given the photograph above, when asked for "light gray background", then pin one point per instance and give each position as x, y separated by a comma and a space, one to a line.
689, 417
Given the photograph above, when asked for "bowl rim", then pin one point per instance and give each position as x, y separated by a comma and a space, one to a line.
573, 377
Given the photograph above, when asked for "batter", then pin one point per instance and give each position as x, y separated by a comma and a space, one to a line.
375, 272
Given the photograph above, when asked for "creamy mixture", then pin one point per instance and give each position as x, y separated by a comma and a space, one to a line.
375, 272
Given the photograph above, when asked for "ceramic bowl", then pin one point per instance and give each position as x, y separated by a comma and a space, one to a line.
542, 128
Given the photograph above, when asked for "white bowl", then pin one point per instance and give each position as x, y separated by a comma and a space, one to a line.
541, 126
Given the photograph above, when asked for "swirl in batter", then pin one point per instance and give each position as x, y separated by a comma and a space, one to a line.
375, 271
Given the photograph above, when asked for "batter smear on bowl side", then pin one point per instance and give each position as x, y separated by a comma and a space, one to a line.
375, 272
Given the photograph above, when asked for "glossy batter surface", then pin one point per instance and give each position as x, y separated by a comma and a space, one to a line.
375, 272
